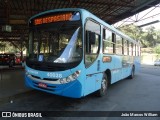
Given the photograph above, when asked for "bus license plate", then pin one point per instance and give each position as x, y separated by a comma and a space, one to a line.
43, 85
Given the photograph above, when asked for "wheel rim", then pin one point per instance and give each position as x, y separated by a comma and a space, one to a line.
104, 85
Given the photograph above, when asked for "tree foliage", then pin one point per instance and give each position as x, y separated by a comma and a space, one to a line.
157, 49
148, 38
2, 46
12, 47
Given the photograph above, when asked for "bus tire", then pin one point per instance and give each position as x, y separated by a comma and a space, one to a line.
104, 86
132, 73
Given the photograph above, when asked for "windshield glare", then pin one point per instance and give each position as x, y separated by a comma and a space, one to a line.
57, 43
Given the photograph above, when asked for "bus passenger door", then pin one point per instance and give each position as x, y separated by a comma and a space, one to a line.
92, 62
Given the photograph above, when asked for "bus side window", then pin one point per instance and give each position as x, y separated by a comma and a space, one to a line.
118, 45
107, 41
137, 50
125, 45
134, 49
130, 49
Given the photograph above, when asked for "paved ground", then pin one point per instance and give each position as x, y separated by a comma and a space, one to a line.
11, 81
150, 69
139, 94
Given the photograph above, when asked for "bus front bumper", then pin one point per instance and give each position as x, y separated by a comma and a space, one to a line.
72, 89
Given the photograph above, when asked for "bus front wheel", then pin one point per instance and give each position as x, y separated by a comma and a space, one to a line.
104, 86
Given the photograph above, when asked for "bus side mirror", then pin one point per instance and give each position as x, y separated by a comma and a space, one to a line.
92, 37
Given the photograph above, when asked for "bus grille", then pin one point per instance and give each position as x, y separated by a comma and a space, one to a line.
35, 77
48, 79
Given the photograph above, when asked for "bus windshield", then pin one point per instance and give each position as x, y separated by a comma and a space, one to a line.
55, 43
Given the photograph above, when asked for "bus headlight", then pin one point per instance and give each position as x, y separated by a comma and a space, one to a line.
70, 78
62, 81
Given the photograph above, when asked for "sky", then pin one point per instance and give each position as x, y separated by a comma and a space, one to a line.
149, 15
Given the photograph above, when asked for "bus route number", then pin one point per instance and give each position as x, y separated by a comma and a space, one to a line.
54, 75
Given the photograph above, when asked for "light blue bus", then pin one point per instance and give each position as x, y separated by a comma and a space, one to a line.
73, 53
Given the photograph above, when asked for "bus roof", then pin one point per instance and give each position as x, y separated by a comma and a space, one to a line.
57, 10
110, 27
88, 14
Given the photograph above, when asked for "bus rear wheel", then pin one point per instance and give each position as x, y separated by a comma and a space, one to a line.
104, 86
132, 73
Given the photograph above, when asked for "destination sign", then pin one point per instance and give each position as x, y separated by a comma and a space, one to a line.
53, 18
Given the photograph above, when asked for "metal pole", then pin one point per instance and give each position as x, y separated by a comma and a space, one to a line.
0, 75
1, 79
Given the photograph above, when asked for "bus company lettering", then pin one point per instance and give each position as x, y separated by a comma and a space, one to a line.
53, 18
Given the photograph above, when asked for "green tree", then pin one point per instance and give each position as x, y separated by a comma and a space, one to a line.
131, 30
151, 36
157, 49
2, 46
148, 38
135, 33
157, 36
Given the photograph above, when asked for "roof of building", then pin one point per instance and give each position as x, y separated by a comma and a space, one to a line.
17, 12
